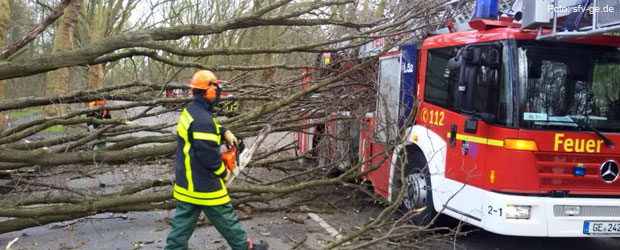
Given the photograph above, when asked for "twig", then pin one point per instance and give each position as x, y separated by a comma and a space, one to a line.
298, 242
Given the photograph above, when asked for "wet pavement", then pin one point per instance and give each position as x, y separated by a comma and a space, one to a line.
148, 230
486, 240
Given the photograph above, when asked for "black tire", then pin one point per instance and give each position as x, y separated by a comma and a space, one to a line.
419, 195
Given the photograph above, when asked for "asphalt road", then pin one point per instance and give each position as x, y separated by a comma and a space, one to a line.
148, 230
485, 240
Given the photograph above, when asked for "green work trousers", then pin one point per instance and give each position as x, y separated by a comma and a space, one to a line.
223, 217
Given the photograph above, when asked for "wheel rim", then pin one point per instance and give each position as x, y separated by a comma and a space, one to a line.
416, 191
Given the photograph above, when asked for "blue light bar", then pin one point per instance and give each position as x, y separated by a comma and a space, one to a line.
486, 9
579, 171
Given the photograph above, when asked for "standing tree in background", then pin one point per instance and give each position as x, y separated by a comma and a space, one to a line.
4, 26
102, 18
57, 81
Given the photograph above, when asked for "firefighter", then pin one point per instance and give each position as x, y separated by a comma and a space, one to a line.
100, 114
229, 106
201, 177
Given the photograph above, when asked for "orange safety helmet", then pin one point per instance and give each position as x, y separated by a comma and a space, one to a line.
96, 103
205, 79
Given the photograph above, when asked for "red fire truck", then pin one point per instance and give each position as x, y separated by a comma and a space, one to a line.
518, 123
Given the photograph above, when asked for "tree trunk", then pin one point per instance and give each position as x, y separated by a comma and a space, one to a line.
57, 81
97, 29
96, 75
4, 27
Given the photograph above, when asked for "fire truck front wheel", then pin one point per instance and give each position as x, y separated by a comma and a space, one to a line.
418, 196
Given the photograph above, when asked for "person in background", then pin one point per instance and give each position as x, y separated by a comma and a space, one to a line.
97, 114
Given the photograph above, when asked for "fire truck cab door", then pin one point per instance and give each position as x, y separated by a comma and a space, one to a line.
465, 169
468, 134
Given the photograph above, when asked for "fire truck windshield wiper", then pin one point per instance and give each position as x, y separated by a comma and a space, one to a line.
586, 125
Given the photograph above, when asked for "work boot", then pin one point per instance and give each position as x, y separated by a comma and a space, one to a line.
261, 246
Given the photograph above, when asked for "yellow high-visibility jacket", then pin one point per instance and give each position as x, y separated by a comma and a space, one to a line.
199, 167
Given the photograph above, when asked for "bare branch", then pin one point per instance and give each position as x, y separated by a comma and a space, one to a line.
36, 30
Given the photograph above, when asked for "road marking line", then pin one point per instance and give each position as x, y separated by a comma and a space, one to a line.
331, 230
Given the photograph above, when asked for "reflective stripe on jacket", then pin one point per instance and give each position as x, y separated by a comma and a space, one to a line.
199, 167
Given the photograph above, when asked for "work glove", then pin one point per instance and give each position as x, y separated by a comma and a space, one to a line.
230, 138
227, 177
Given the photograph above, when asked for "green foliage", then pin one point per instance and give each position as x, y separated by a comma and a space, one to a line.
55, 129
25, 112
380, 9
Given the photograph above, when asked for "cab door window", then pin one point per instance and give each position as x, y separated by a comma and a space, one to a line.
493, 93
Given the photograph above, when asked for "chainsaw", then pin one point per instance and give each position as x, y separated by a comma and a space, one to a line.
237, 156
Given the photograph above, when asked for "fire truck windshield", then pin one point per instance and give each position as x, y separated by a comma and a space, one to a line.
563, 85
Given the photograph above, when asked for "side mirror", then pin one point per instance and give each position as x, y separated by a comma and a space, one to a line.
455, 63
488, 55
465, 56
472, 55
470, 58
466, 89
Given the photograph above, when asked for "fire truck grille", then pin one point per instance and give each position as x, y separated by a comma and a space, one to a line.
609, 12
586, 211
556, 172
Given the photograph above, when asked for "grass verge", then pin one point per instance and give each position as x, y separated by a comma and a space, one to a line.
25, 112
55, 129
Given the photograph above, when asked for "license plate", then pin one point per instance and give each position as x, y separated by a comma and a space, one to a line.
601, 227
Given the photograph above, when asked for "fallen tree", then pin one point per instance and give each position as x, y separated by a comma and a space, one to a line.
276, 93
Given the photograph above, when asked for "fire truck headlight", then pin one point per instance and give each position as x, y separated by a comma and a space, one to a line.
518, 212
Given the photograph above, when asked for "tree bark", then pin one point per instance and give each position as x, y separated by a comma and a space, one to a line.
86, 96
4, 26
57, 81
96, 76
42, 157
96, 32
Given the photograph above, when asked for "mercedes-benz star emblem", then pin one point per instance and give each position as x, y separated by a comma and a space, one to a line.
609, 171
